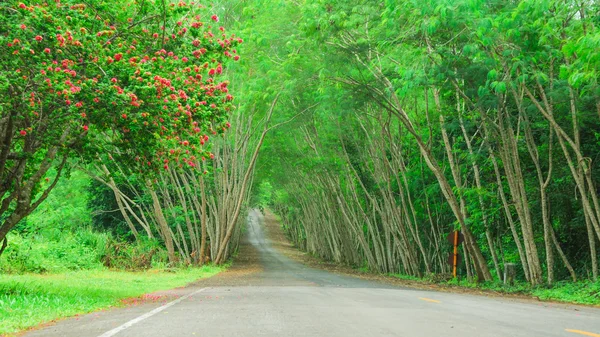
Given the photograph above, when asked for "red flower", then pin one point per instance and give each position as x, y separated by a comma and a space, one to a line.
124, 116
215, 18
85, 128
79, 104
118, 57
236, 57
23, 133
211, 72
38, 38
22, 6
23, 26
114, 80
96, 99
47, 50
229, 98
155, 35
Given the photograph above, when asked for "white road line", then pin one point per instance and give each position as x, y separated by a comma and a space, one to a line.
148, 314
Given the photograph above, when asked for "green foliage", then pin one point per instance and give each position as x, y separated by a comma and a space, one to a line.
139, 83
83, 249
584, 292
121, 87
80, 250
106, 216
65, 209
407, 277
143, 254
264, 195
58, 237
29, 300
466, 61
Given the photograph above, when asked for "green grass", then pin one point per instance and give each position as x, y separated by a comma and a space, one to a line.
584, 292
31, 299
408, 278
581, 292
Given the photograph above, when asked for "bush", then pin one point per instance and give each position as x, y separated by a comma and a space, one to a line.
141, 255
82, 250
40, 254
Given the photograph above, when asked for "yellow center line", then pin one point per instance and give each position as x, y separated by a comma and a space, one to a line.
433, 301
585, 333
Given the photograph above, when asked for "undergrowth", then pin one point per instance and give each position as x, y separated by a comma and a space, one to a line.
83, 249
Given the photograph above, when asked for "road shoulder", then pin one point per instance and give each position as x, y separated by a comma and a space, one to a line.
279, 241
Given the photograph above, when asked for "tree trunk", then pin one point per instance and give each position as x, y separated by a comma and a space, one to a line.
162, 222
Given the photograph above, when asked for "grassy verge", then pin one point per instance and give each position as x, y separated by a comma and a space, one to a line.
31, 299
582, 292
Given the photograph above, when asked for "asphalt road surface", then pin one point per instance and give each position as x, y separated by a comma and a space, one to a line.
266, 293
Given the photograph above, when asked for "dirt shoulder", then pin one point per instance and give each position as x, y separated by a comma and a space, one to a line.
275, 234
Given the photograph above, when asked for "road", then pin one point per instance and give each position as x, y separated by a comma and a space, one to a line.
266, 293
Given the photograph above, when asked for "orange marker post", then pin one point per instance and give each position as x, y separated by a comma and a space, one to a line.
455, 260
455, 238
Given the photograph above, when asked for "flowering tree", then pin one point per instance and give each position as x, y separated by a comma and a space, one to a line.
139, 82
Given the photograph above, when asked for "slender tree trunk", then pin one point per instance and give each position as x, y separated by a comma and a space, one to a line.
162, 222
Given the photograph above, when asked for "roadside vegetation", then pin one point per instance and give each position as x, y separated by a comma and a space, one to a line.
27, 300
130, 136
427, 117
122, 158
583, 292
61, 262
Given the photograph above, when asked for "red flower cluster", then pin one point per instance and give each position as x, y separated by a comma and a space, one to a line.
174, 93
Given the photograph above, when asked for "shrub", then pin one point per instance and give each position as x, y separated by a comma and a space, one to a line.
141, 255
40, 254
